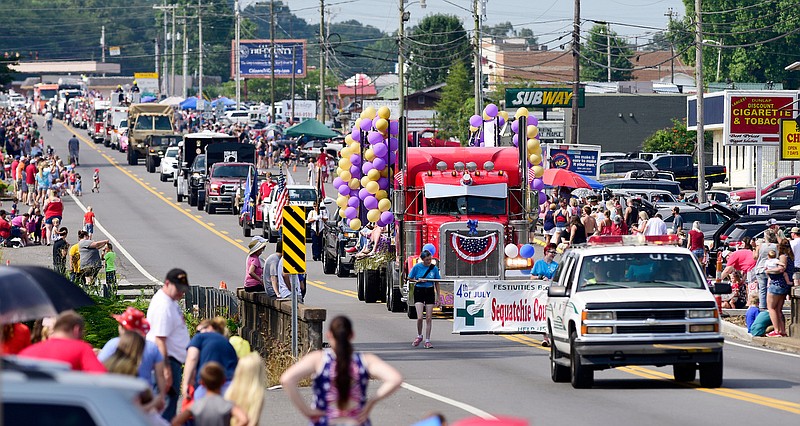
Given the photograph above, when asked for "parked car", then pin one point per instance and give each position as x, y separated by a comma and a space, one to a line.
606, 156
616, 169
236, 117
649, 174
658, 197
637, 184
711, 218
777, 199
339, 247
168, 168
750, 193
713, 196
685, 171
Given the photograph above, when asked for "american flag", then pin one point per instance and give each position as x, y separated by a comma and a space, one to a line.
531, 176
398, 177
282, 200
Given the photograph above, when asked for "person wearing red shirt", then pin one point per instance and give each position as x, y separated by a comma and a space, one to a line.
697, 241
5, 226
66, 344
14, 165
15, 337
30, 180
52, 210
741, 260
88, 221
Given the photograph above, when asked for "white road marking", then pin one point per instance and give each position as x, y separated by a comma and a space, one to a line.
117, 244
756, 348
466, 407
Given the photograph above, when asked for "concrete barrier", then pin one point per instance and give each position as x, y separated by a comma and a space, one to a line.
264, 318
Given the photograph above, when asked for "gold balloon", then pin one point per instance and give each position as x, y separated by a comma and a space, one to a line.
341, 213
486, 117
534, 142
537, 150
349, 139
373, 188
384, 112
385, 172
382, 195
354, 183
365, 180
381, 125
374, 215
344, 163
369, 112
341, 201
355, 223
345, 175
535, 159
504, 114
338, 171
374, 174
531, 145
473, 129
369, 155
538, 171
357, 124
383, 205
533, 131
521, 112
345, 152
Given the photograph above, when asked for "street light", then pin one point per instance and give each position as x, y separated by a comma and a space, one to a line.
719, 54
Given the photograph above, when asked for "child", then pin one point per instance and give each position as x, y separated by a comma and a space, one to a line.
96, 180
56, 226
773, 263
71, 179
110, 258
88, 221
752, 310
212, 409
738, 292
78, 186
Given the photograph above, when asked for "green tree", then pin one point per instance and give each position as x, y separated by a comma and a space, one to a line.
676, 139
527, 34
594, 56
6, 74
503, 29
453, 110
660, 41
433, 46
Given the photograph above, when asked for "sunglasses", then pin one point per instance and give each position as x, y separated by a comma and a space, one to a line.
551, 252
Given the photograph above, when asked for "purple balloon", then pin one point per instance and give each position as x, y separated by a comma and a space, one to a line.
380, 149
383, 183
481, 144
501, 121
515, 126
476, 121
337, 182
538, 184
352, 201
542, 197
393, 144
366, 167
491, 110
381, 223
355, 171
371, 202
379, 163
533, 121
392, 158
366, 124
394, 127
355, 159
356, 134
350, 212
387, 217
363, 194
344, 189
354, 193
374, 137
515, 139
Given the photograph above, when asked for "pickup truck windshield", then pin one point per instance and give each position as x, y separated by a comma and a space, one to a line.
468, 204
230, 171
639, 270
162, 123
302, 195
199, 163
144, 122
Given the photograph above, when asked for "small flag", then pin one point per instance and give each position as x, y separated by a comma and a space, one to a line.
398, 177
282, 200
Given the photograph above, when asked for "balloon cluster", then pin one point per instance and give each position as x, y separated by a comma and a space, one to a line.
490, 113
364, 179
525, 251
533, 149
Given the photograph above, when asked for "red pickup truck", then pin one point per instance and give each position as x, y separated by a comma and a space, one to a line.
750, 193
430, 138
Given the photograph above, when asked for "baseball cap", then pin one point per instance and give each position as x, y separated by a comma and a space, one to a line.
134, 320
795, 230
773, 221
177, 276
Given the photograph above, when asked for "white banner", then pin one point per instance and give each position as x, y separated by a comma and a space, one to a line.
305, 109
494, 306
394, 106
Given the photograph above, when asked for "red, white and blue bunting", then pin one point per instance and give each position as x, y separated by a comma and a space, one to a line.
473, 249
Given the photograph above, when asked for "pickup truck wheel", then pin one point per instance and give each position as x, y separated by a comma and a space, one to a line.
178, 196
708, 184
328, 266
192, 199
360, 285
582, 376
162, 177
372, 286
684, 372
211, 209
558, 372
133, 158
711, 374
340, 269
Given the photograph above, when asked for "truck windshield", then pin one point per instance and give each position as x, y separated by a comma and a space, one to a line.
468, 204
302, 195
639, 270
47, 94
231, 171
98, 114
162, 123
144, 122
199, 163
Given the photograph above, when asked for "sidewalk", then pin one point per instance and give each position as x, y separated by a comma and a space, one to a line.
785, 344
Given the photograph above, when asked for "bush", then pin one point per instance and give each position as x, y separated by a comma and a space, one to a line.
100, 325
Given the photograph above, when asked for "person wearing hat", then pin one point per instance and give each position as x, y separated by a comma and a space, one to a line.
151, 366
253, 279
775, 227
169, 332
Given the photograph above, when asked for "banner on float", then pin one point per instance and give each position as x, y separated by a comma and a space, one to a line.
498, 307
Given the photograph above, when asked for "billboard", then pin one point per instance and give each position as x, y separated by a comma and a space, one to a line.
581, 159
255, 58
147, 82
790, 140
489, 307
304, 109
754, 119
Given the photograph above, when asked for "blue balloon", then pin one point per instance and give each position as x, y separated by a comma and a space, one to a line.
431, 248
526, 251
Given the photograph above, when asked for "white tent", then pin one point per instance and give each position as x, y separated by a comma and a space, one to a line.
172, 100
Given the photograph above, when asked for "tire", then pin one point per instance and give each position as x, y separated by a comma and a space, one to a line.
174, 182
360, 285
372, 286
708, 184
558, 372
178, 196
133, 157
581, 376
273, 238
201, 205
162, 177
192, 199
340, 270
107, 143
395, 302
328, 267
684, 372
150, 164
211, 209
711, 374
246, 229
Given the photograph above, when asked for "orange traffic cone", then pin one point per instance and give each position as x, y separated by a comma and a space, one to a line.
294, 168
222, 285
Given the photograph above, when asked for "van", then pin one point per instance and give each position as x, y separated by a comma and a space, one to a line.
616, 169
634, 184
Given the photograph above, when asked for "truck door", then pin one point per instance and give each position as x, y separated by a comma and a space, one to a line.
558, 306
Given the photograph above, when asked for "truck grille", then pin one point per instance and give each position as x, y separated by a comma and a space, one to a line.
650, 329
228, 188
654, 314
456, 267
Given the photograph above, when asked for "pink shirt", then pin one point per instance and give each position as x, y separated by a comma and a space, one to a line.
248, 280
77, 353
742, 260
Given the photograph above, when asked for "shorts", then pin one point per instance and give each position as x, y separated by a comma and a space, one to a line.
424, 295
16, 232
779, 288
49, 220
23, 186
89, 227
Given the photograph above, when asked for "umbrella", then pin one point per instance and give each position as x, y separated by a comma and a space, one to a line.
564, 177
225, 101
31, 292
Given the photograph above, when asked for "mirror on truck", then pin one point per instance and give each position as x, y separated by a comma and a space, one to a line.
557, 291
720, 288
329, 200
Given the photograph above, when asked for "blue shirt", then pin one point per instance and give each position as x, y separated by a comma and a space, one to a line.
150, 357
544, 269
214, 347
419, 270
750, 316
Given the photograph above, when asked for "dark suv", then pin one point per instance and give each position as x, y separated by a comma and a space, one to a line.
339, 247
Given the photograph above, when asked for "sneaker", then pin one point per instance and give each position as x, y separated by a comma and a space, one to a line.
428, 345
774, 333
416, 341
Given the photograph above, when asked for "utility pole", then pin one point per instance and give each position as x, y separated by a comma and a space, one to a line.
103, 45
200, 35
322, 51
576, 71
698, 39
272, 61
165, 63
477, 41
172, 71
185, 59
401, 87
294, 72
671, 15
156, 53
608, 50
237, 64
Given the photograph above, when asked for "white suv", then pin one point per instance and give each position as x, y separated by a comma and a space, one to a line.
645, 302
169, 164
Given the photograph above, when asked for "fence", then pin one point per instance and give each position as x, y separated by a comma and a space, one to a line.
208, 302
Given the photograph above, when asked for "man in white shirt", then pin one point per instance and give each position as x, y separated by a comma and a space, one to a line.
168, 331
316, 218
655, 226
795, 244
273, 275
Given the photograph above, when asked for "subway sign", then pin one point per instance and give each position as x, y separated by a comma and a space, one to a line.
537, 97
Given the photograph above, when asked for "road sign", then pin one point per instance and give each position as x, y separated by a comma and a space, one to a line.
293, 229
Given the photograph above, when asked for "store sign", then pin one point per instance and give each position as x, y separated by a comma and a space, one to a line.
753, 118
790, 140
255, 58
551, 130
542, 97
493, 306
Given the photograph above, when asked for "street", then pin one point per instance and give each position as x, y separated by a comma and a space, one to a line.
464, 375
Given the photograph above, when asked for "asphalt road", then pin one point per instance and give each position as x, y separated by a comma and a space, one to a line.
463, 375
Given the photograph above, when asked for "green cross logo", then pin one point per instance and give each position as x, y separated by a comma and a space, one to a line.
469, 318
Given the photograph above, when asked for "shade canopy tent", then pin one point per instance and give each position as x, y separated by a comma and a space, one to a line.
172, 100
147, 99
191, 103
310, 128
225, 101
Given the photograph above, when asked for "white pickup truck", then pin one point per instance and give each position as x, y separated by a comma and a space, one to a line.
641, 302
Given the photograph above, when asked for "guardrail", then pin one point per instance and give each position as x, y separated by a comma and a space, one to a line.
208, 302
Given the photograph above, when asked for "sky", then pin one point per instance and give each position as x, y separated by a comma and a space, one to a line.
549, 19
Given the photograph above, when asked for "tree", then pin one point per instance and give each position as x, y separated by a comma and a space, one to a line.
503, 29
453, 111
6, 61
433, 46
660, 41
527, 34
594, 56
676, 139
